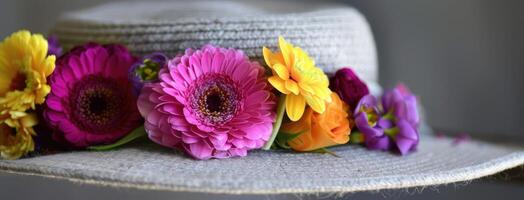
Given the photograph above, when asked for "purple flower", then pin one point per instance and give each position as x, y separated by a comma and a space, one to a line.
368, 121
53, 46
390, 126
146, 70
402, 103
348, 86
406, 137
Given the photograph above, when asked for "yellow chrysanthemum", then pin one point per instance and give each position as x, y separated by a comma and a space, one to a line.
24, 67
295, 74
16, 136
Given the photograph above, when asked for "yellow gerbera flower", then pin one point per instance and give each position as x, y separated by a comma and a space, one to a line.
24, 67
16, 136
295, 74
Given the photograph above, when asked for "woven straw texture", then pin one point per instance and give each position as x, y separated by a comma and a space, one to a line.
334, 35
149, 166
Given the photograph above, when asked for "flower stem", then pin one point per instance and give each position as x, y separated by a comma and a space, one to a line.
276, 126
135, 134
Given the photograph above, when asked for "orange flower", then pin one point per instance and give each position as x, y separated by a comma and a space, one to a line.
321, 130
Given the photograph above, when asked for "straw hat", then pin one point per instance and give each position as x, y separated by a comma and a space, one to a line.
334, 35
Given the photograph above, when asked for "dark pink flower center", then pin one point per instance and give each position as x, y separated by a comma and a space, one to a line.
214, 98
97, 104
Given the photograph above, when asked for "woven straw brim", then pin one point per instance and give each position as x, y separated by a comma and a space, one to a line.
149, 166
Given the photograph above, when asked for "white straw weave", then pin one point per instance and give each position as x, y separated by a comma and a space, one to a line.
149, 166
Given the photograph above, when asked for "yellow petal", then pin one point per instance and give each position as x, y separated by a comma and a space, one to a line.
306, 87
322, 92
42, 93
317, 104
272, 58
17, 114
328, 98
292, 86
39, 52
281, 71
49, 65
287, 51
278, 83
29, 121
295, 106
267, 56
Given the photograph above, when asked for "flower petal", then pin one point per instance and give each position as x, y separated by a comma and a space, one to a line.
295, 106
317, 104
281, 71
200, 150
287, 51
278, 83
292, 86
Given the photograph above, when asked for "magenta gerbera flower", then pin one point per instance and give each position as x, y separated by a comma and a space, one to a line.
91, 100
209, 103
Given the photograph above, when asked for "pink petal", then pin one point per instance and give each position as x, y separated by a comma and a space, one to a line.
259, 96
218, 140
207, 60
184, 72
189, 117
54, 103
222, 154
144, 105
54, 116
154, 117
239, 143
241, 72
256, 132
218, 60
250, 144
242, 152
196, 66
189, 140
200, 150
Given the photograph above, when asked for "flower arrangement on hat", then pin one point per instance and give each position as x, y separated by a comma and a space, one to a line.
330, 121
210, 102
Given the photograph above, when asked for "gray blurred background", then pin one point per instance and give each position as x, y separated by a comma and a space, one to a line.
463, 58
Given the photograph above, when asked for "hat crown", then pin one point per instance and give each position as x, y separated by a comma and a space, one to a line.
334, 35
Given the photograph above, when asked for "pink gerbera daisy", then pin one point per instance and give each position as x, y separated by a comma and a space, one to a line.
209, 103
91, 100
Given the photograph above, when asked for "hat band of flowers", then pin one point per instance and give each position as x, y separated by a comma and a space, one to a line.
210, 103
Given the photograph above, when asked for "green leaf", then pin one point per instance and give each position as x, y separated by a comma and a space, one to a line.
324, 150
356, 137
135, 134
283, 138
276, 126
